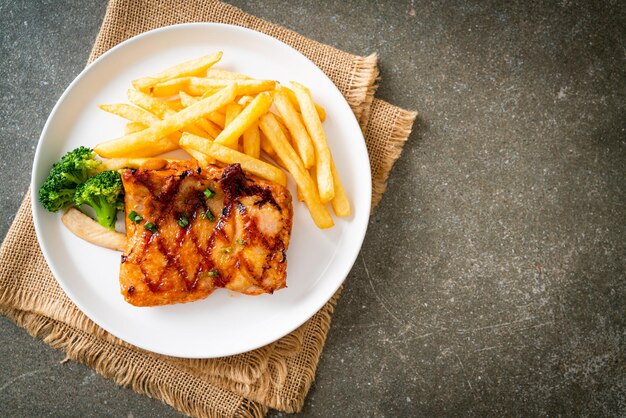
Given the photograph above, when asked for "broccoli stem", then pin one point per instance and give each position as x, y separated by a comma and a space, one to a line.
105, 211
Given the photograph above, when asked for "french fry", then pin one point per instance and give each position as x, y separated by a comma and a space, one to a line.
230, 156
301, 138
299, 194
138, 163
145, 119
312, 174
187, 68
340, 203
314, 127
252, 141
207, 126
130, 112
245, 100
132, 127
294, 100
207, 94
147, 143
170, 87
186, 99
174, 104
202, 159
283, 128
288, 155
232, 110
138, 149
198, 86
216, 117
155, 106
225, 75
244, 120
266, 147
201, 86
161, 110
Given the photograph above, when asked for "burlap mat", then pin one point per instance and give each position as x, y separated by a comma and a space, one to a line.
276, 376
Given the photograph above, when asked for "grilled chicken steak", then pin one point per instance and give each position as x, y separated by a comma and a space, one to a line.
191, 230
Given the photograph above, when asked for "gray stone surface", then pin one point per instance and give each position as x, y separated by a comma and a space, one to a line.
492, 277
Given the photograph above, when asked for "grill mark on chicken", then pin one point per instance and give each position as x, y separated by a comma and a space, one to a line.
181, 192
166, 200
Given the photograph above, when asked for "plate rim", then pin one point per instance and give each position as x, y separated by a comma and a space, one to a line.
40, 233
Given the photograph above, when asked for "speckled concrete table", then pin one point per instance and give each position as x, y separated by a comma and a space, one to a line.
492, 278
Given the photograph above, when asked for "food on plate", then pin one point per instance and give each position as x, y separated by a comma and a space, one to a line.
230, 156
91, 231
161, 110
244, 120
196, 86
57, 191
187, 68
104, 193
294, 100
153, 140
132, 113
313, 124
193, 229
144, 163
220, 219
252, 141
226, 75
302, 140
288, 155
340, 202
132, 127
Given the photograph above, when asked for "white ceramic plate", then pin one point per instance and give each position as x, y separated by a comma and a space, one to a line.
225, 323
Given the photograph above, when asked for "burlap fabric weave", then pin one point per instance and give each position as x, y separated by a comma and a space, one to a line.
278, 375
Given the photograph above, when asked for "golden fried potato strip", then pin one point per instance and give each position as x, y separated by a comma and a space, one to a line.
294, 165
244, 120
301, 138
187, 68
313, 125
148, 143
230, 156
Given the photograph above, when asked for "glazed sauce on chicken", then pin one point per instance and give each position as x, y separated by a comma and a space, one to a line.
201, 229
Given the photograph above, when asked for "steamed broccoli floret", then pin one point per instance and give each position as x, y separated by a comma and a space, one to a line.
103, 192
75, 167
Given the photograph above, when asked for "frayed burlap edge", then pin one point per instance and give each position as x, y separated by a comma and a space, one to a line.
120, 364
404, 120
314, 333
364, 84
317, 340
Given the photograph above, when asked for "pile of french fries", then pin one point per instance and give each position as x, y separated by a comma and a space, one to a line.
221, 116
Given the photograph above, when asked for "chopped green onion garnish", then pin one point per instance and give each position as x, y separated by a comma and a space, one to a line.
183, 221
134, 217
151, 227
209, 215
226, 250
209, 193
213, 273
241, 242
